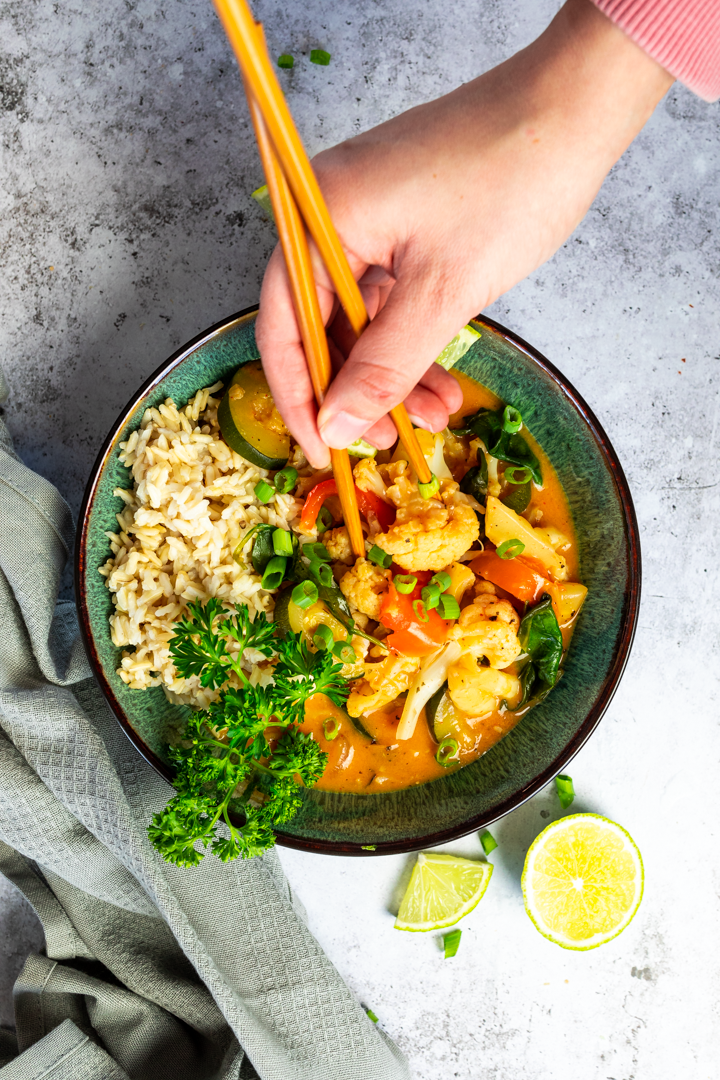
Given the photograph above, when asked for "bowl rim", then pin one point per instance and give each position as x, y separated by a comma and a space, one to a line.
629, 616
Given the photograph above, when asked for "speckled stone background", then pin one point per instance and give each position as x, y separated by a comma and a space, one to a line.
126, 227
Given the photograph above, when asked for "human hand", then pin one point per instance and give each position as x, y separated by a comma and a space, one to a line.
446, 207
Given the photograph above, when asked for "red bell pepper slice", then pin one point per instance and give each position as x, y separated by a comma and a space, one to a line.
513, 575
412, 636
314, 501
370, 503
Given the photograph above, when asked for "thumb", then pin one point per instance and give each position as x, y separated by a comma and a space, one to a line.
393, 361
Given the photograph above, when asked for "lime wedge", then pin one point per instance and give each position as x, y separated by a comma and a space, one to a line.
361, 449
261, 196
583, 881
441, 890
458, 347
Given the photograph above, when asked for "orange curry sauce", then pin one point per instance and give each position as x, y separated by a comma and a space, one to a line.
377, 761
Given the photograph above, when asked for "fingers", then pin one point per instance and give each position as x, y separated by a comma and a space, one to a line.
283, 357
393, 362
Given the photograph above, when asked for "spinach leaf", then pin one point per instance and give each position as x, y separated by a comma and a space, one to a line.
475, 483
488, 426
541, 639
517, 497
262, 549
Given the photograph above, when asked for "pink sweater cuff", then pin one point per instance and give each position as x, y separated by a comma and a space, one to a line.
682, 35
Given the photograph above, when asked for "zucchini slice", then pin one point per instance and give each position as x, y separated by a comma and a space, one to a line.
250, 423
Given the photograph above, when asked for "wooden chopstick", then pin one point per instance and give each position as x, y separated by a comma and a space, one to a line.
249, 48
304, 293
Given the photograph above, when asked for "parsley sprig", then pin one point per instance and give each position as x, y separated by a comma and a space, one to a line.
240, 758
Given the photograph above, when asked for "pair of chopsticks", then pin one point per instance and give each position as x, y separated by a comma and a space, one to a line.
298, 202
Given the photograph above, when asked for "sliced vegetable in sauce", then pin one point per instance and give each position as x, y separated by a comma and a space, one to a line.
513, 575
541, 638
250, 423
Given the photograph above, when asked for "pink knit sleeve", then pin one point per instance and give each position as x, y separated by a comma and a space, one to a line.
682, 35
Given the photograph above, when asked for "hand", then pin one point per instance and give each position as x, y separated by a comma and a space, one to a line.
446, 207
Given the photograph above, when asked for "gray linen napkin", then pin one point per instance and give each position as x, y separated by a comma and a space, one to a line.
151, 971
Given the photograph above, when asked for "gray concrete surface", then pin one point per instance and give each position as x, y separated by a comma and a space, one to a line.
126, 227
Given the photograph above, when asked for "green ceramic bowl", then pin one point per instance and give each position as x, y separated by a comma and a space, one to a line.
545, 741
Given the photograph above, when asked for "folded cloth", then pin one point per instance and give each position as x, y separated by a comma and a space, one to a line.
151, 971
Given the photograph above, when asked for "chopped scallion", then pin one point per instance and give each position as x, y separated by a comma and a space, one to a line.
431, 488
286, 61
518, 474
263, 491
405, 583
430, 596
370, 1013
442, 580
449, 607
509, 549
322, 572
324, 520
305, 594
451, 943
344, 652
331, 728
447, 753
316, 551
274, 573
488, 841
285, 480
323, 638
420, 612
319, 56
512, 420
282, 542
379, 557
565, 790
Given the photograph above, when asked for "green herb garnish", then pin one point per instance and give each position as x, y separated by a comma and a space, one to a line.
263, 491
319, 56
379, 557
285, 60
565, 790
488, 841
226, 767
451, 942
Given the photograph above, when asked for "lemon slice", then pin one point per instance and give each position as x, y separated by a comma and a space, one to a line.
458, 347
583, 881
442, 889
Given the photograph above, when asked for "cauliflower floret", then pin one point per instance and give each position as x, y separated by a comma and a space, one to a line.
391, 677
478, 690
428, 534
364, 585
337, 541
488, 627
368, 478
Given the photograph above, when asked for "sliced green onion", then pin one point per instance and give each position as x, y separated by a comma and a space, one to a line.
405, 583
369, 847
305, 594
430, 596
442, 580
344, 652
323, 638
447, 753
285, 480
282, 542
322, 572
360, 448
319, 56
316, 551
488, 841
518, 474
420, 612
512, 420
286, 60
324, 520
371, 1015
431, 488
379, 557
451, 943
509, 549
274, 573
263, 491
565, 790
331, 728
449, 607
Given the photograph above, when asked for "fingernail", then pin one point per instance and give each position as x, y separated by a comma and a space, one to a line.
418, 421
342, 429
